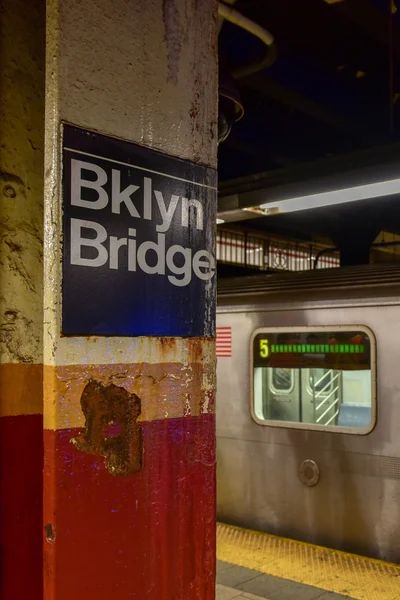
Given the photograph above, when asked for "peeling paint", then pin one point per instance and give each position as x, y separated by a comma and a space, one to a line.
21, 274
50, 535
111, 428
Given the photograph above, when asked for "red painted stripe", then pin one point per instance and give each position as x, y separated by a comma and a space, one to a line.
21, 511
147, 535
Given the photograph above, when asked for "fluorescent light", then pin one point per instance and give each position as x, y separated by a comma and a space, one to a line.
219, 221
273, 208
353, 194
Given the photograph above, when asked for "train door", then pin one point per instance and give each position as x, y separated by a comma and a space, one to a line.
321, 392
281, 394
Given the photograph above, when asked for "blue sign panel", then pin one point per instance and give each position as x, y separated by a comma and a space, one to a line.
139, 240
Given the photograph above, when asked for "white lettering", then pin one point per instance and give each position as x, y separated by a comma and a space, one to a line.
159, 249
119, 196
166, 215
115, 245
185, 269
92, 187
77, 241
147, 201
195, 204
77, 183
131, 250
131, 255
204, 260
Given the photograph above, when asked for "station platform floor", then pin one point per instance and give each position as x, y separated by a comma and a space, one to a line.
258, 566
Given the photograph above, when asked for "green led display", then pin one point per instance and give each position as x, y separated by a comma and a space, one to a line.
317, 349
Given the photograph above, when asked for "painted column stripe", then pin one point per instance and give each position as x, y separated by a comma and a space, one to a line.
148, 536
21, 389
166, 390
122, 350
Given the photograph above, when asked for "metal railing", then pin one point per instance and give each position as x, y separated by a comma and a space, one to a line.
242, 248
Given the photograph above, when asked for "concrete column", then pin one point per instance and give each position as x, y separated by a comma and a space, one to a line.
144, 71
22, 57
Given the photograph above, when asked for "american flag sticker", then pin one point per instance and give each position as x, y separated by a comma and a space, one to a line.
224, 342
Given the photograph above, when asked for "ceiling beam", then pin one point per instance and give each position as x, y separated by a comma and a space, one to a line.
260, 152
374, 158
272, 89
372, 20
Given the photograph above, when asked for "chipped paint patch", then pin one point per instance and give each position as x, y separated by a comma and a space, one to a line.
111, 428
50, 535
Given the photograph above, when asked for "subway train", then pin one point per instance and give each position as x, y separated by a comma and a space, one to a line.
308, 406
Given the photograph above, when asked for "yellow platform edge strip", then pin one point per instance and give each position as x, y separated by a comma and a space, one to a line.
331, 570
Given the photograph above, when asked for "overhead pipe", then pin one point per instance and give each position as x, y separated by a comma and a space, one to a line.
236, 18
220, 18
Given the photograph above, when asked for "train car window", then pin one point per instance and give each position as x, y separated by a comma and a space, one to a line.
316, 378
282, 380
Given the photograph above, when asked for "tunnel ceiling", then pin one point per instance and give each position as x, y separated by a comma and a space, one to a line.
332, 93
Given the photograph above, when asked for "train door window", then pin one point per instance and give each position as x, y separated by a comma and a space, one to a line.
282, 380
315, 378
320, 380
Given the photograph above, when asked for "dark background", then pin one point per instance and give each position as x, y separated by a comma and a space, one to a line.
330, 103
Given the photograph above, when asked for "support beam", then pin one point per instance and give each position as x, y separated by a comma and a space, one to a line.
129, 478
22, 62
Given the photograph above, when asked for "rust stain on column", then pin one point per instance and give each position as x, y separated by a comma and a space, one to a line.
111, 428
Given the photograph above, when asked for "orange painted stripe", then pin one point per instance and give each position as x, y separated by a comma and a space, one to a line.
166, 390
21, 389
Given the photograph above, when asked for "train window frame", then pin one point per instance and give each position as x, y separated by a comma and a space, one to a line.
311, 426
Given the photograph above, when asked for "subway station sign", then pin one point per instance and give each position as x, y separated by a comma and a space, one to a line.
138, 240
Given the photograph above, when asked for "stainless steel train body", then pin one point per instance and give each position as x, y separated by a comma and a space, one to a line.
282, 468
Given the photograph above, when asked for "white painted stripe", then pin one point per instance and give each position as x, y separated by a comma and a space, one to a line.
118, 162
124, 350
